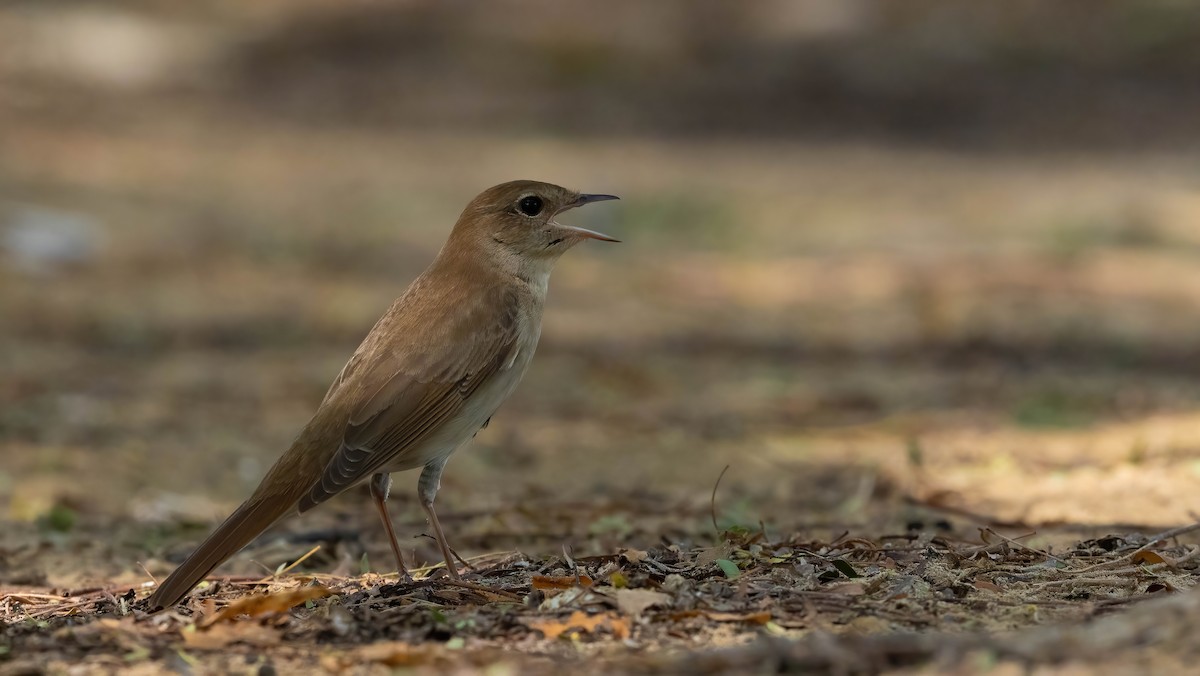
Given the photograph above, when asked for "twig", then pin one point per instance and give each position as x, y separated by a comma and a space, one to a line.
1027, 548
712, 503
479, 588
1166, 535
1195, 553
434, 566
21, 596
1154, 540
454, 553
427, 583
298, 561
65, 606
148, 574
1086, 582
567, 558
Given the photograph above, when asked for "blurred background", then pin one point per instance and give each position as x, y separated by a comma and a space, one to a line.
894, 263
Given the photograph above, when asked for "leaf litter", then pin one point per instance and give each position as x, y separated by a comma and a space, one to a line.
668, 596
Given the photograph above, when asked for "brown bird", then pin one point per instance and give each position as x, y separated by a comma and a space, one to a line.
428, 376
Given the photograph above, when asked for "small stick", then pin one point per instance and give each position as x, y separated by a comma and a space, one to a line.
1024, 546
478, 587
1154, 540
298, 561
712, 503
147, 572
1167, 535
442, 564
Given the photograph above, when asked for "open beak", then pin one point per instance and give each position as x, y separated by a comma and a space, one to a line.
584, 232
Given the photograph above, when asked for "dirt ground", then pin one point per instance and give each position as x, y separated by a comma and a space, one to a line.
830, 406
955, 394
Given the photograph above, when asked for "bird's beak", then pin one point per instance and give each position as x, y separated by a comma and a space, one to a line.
588, 199
584, 232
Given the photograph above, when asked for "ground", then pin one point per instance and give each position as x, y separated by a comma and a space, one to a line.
946, 405
834, 406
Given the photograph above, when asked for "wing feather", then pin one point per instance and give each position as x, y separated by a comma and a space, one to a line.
407, 408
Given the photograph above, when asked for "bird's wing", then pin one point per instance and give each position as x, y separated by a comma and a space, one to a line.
415, 389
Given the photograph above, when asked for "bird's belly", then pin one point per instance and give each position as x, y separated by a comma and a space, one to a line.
457, 431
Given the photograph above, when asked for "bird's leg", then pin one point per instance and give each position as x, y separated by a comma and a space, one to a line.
427, 488
381, 485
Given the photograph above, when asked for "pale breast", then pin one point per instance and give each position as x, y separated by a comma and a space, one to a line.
475, 412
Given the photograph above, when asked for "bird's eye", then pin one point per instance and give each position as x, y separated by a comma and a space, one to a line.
530, 205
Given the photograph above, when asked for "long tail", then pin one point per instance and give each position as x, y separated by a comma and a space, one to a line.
246, 523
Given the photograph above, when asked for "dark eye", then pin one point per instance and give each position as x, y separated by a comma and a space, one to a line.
530, 205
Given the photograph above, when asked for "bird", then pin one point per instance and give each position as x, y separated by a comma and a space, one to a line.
424, 381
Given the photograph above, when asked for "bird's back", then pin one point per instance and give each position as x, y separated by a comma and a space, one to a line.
399, 402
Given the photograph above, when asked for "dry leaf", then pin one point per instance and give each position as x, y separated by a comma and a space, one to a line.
849, 589
263, 604
574, 597
208, 607
989, 586
1148, 558
394, 654
559, 582
762, 617
220, 636
710, 555
633, 555
553, 628
634, 602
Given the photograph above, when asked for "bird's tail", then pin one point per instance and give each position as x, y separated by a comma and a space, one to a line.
246, 523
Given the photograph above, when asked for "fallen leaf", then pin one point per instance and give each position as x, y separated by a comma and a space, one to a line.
849, 589
222, 635
394, 654
574, 597
903, 588
729, 568
633, 555
263, 604
867, 625
845, 568
634, 602
1148, 558
762, 617
711, 554
989, 586
584, 623
559, 582
208, 607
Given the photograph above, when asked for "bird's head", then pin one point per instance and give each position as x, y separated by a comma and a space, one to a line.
519, 218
